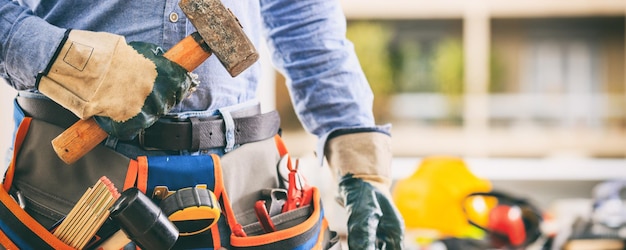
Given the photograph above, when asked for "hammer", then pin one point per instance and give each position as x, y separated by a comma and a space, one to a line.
218, 32
142, 222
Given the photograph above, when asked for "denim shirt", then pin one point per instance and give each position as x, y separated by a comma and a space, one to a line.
306, 39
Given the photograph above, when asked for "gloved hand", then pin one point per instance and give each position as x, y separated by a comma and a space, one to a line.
362, 162
172, 85
127, 85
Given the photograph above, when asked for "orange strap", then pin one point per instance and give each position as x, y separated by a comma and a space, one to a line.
280, 145
131, 174
219, 178
282, 150
215, 234
28, 222
22, 130
6, 242
320, 239
142, 173
219, 192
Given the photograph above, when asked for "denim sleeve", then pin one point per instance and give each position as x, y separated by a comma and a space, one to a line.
308, 45
27, 44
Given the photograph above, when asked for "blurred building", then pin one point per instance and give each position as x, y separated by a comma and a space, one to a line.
493, 78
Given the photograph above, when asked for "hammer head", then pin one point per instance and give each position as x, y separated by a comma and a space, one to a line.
222, 32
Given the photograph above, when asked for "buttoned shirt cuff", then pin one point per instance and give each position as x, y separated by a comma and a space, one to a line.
30, 48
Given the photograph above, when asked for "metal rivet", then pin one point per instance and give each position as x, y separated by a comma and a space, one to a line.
173, 17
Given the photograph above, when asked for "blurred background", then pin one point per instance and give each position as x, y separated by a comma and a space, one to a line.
529, 79
531, 94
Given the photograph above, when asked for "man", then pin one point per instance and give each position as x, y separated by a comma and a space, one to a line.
307, 41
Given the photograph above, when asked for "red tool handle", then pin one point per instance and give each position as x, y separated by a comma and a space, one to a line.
84, 135
263, 216
299, 193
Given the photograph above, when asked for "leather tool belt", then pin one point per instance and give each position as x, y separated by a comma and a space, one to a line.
50, 189
169, 133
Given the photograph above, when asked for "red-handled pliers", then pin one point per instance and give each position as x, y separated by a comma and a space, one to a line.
299, 193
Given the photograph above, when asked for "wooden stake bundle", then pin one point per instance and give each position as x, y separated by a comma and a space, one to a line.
88, 215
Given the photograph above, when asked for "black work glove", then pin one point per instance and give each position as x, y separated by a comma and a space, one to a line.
373, 220
362, 162
171, 86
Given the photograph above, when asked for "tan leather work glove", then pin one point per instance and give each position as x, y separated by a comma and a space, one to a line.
362, 162
99, 74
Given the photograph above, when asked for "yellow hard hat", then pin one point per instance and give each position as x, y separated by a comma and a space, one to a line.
434, 196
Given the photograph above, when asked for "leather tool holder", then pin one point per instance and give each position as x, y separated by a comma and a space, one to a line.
48, 189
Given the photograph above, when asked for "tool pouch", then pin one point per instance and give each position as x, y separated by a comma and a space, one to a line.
302, 228
235, 185
49, 189
39, 189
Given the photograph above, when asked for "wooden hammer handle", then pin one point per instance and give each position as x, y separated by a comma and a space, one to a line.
116, 241
84, 135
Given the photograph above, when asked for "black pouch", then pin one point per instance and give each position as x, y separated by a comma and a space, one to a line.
49, 186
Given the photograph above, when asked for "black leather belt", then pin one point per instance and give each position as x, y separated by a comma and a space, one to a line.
170, 134
193, 134
46, 110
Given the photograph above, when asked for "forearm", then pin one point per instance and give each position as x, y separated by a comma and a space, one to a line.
27, 44
308, 43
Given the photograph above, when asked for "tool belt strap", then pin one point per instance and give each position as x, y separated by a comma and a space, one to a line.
170, 134
46, 110
194, 134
